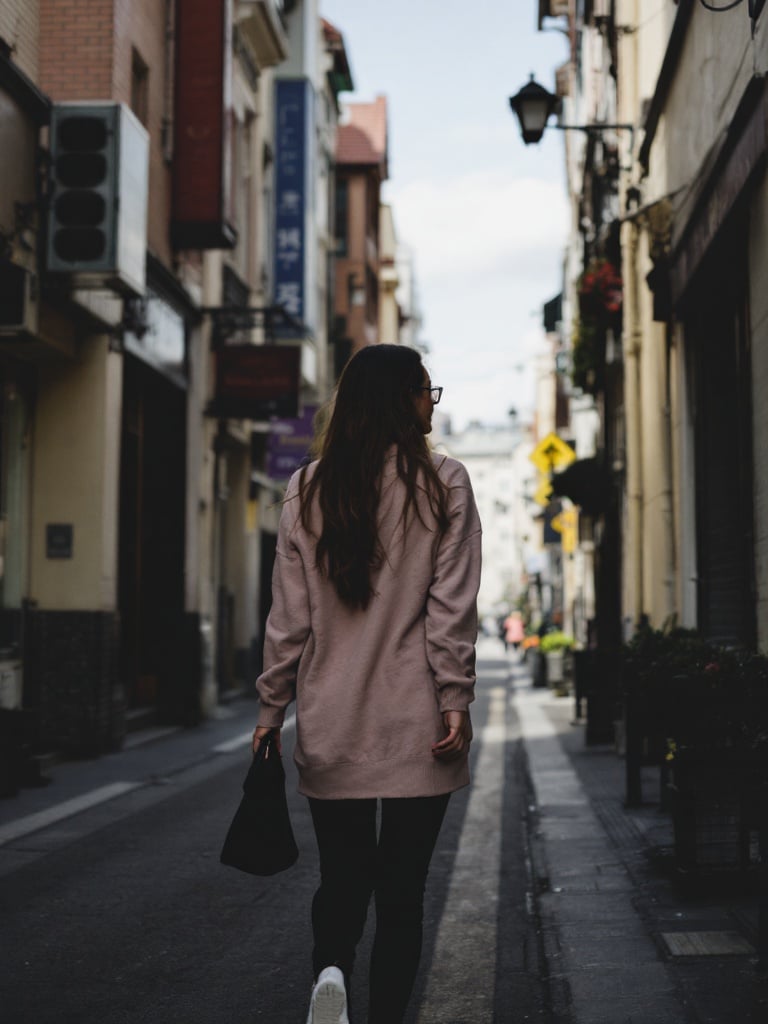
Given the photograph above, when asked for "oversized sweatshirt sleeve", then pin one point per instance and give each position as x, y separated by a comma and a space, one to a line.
288, 624
451, 620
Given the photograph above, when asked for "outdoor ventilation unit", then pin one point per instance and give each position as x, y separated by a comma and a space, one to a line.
18, 301
97, 213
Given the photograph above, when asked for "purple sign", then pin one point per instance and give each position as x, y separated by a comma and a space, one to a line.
289, 443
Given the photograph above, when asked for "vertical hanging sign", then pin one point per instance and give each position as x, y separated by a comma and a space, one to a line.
291, 110
201, 148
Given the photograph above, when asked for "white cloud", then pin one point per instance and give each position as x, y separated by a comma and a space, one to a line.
481, 223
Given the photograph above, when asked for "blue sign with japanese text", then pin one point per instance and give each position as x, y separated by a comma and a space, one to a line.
291, 111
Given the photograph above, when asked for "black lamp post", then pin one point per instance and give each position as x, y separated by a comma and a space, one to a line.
533, 106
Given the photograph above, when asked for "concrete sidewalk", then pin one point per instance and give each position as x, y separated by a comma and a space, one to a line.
150, 758
624, 944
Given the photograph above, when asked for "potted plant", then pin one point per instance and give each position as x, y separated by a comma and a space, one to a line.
655, 665
701, 712
554, 646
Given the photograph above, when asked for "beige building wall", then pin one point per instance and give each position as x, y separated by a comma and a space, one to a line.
648, 570
718, 60
389, 280
75, 479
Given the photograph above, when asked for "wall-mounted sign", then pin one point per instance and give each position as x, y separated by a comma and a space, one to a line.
256, 382
293, 98
161, 342
59, 540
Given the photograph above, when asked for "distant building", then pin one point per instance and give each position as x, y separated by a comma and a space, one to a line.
503, 479
361, 168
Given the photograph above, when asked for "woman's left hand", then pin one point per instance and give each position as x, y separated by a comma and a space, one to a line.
459, 736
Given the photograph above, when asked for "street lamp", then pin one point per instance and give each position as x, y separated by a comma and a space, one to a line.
534, 105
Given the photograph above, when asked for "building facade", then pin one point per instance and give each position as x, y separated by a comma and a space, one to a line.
150, 345
362, 166
669, 280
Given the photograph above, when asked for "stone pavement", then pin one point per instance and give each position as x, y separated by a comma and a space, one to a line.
624, 943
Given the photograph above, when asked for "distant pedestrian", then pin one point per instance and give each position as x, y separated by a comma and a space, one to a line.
372, 631
514, 633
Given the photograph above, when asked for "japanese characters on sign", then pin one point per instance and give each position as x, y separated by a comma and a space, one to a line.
291, 103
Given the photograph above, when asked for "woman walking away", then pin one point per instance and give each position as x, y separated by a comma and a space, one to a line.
372, 631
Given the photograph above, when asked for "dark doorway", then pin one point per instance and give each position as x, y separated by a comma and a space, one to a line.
717, 336
151, 543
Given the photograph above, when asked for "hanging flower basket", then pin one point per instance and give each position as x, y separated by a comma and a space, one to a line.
600, 302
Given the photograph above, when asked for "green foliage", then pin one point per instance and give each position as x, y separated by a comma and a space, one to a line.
556, 641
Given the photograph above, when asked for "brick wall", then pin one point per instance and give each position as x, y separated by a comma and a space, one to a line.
19, 28
76, 41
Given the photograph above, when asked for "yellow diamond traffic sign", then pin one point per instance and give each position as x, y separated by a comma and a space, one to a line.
552, 452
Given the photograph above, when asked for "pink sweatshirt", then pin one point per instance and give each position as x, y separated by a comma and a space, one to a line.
370, 685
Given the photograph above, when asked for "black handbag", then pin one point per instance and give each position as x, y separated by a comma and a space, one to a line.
260, 839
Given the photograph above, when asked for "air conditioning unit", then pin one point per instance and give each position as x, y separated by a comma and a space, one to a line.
18, 301
97, 212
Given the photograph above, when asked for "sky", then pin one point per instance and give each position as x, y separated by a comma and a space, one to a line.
485, 215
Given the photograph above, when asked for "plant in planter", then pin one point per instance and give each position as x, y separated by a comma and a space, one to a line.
554, 646
704, 712
655, 665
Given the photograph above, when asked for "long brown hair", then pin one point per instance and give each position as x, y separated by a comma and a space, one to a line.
374, 409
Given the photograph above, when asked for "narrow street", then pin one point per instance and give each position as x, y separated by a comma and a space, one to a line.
121, 912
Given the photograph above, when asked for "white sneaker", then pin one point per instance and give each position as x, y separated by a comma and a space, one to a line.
329, 999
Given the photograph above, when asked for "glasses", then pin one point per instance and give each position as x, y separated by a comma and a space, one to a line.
434, 393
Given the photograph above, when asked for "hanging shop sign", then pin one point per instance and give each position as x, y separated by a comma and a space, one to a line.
256, 382
289, 443
202, 214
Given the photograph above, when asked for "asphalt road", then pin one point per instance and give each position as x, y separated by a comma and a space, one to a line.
122, 912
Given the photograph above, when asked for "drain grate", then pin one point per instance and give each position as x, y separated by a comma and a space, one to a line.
707, 944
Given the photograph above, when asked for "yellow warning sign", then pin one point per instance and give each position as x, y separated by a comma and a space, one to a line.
543, 491
552, 452
566, 524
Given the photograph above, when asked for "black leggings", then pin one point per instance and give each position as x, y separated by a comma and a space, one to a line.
354, 864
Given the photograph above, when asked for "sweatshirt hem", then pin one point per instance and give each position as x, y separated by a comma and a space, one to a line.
401, 778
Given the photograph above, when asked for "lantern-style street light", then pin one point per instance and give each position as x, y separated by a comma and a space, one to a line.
534, 105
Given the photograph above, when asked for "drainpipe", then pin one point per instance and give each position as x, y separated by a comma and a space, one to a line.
634, 423
667, 496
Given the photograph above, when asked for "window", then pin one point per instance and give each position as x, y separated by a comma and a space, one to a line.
139, 88
341, 230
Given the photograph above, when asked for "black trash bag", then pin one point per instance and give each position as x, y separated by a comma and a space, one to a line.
260, 839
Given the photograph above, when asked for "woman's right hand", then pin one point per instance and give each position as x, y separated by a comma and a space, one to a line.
260, 732
456, 743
